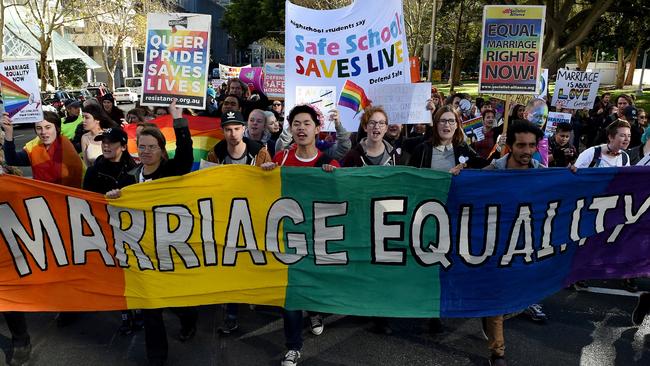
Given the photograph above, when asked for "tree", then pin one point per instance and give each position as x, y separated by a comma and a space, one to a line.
71, 72
42, 18
121, 23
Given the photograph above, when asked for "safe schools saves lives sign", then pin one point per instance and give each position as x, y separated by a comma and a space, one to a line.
364, 42
511, 49
176, 60
385, 241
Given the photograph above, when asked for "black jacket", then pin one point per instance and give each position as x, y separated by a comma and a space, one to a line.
106, 175
421, 157
183, 158
220, 151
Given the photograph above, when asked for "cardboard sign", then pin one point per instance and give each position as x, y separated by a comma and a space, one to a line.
554, 119
404, 103
176, 60
511, 49
229, 72
274, 79
20, 92
576, 89
474, 129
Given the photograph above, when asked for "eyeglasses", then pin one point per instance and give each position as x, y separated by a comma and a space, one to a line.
277, 104
150, 148
451, 122
643, 116
377, 123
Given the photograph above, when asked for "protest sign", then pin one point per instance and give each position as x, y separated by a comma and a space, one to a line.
343, 248
511, 49
229, 72
554, 119
176, 60
323, 98
253, 77
474, 129
274, 80
364, 42
404, 103
20, 94
576, 89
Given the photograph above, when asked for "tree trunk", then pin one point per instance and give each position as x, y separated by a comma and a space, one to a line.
43, 66
454, 54
633, 59
583, 58
620, 68
110, 69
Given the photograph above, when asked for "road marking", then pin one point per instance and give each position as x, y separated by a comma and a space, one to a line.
610, 291
278, 324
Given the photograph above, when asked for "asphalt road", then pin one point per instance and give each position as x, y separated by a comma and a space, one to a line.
584, 328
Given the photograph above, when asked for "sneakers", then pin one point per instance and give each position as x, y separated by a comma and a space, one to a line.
20, 355
126, 327
316, 324
186, 334
230, 325
536, 313
641, 309
498, 361
484, 332
291, 358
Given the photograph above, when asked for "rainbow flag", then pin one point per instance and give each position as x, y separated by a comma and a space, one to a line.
455, 246
353, 96
14, 97
205, 131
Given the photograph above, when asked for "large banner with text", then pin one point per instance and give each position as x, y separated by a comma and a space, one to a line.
364, 42
382, 241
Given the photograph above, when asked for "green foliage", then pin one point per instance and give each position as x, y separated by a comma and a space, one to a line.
250, 20
72, 73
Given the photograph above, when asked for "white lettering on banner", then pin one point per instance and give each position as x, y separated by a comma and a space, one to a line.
179, 232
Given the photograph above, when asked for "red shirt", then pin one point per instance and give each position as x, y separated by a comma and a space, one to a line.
292, 160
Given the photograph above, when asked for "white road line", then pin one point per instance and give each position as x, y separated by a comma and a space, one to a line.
610, 291
278, 324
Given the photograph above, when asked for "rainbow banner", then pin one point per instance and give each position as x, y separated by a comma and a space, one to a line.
176, 60
205, 132
382, 241
353, 96
511, 50
19, 91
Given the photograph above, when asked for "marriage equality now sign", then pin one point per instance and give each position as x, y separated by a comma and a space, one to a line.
364, 42
20, 94
383, 241
511, 49
176, 60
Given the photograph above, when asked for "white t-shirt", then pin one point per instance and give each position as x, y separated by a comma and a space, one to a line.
606, 160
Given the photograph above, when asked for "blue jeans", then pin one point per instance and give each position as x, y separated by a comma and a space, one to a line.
293, 329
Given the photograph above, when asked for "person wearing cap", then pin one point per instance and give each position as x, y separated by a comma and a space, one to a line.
72, 119
111, 168
235, 148
630, 114
116, 114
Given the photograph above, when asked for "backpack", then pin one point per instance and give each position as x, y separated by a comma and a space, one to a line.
595, 161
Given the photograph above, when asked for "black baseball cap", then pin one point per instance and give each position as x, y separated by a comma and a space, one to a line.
113, 135
72, 103
232, 117
631, 114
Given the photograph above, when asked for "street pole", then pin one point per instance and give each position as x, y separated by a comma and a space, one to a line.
432, 44
639, 91
596, 63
